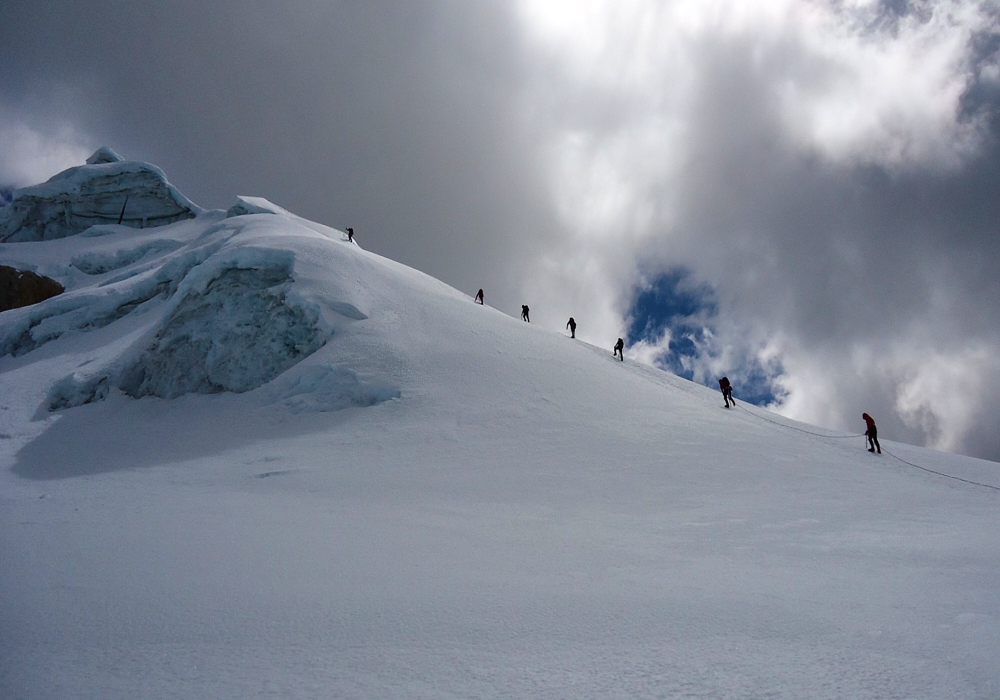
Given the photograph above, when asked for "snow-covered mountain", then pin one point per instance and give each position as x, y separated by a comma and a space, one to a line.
240, 456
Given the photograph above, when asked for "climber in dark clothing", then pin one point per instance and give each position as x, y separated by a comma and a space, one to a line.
350, 235
619, 348
479, 297
572, 327
524, 313
727, 391
872, 434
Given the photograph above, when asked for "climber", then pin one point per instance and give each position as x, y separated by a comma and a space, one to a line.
572, 327
350, 235
524, 313
479, 297
872, 434
727, 391
619, 348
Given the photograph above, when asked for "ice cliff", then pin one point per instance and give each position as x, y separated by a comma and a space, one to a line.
107, 190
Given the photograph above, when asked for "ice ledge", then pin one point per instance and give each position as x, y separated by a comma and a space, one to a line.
107, 190
104, 155
254, 205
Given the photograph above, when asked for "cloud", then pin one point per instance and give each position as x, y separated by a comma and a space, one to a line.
674, 324
34, 152
829, 169
874, 85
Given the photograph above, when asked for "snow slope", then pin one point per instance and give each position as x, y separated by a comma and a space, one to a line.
344, 479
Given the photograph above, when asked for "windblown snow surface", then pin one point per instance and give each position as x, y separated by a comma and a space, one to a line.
241, 457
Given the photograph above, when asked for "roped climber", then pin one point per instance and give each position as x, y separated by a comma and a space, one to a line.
727, 391
871, 434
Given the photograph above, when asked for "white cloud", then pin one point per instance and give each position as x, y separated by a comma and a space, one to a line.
29, 154
942, 393
885, 96
924, 393
650, 352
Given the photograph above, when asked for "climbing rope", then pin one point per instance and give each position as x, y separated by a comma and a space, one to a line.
792, 427
949, 476
916, 466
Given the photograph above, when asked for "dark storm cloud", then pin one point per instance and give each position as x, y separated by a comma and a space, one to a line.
835, 249
399, 119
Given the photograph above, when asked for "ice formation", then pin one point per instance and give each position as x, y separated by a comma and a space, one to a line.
107, 190
236, 334
254, 205
104, 154
99, 262
207, 302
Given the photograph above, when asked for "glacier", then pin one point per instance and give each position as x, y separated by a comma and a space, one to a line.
241, 457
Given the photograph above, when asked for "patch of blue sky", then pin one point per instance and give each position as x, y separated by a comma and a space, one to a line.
680, 316
667, 300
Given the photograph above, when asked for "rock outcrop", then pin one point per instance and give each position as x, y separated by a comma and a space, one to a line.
22, 288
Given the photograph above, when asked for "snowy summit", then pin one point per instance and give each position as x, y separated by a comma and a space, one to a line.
240, 456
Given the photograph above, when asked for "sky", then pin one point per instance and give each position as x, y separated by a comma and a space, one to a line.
801, 195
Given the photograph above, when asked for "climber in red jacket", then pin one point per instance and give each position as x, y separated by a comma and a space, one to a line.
872, 434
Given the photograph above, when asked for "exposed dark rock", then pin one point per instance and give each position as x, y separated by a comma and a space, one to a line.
22, 288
